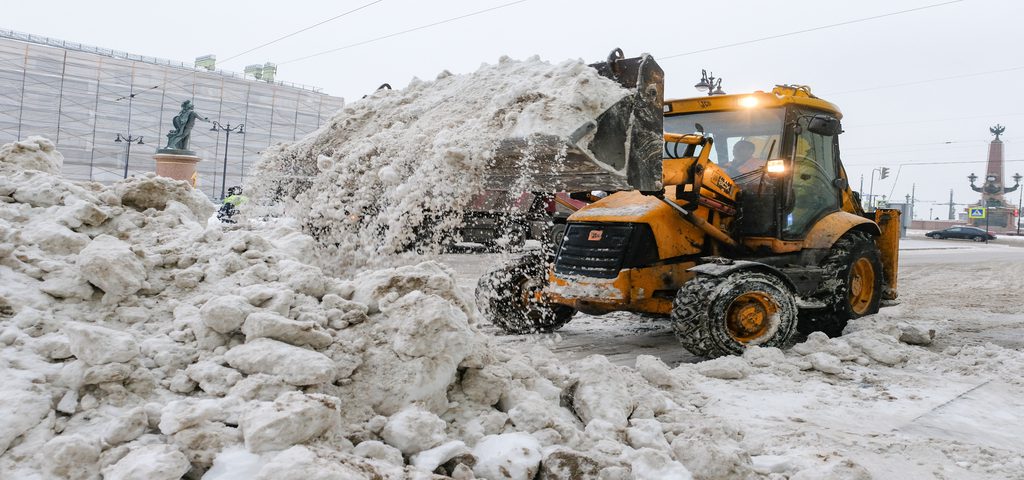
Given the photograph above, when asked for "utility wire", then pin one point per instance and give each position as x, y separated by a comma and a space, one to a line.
918, 82
931, 120
798, 32
302, 30
953, 162
364, 42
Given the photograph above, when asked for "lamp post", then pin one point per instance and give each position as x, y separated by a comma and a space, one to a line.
1020, 196
128, 149
709, 84
240, 129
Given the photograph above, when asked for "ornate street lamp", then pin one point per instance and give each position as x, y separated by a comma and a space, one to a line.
128, 150
709, 84
240, 129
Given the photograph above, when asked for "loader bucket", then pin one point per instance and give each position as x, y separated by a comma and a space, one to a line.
618, 150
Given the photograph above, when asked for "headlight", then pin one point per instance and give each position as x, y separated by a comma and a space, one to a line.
776, 166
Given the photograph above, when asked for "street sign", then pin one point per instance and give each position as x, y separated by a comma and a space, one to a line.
976, 212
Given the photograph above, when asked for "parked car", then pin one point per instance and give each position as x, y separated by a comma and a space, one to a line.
967, 233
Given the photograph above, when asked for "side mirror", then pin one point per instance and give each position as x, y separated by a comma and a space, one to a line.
825, 125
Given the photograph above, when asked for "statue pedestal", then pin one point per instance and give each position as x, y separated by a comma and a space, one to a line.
177, 166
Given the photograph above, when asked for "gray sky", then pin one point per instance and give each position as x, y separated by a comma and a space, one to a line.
854, 66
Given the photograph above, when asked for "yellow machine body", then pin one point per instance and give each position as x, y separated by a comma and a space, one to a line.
680, 243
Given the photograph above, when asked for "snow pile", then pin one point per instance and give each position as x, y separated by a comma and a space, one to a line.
136, 342
394, 170
33, 153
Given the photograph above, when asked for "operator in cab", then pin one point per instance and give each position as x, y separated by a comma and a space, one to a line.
743, 160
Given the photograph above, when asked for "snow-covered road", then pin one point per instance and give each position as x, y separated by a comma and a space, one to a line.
939, 280
952, 410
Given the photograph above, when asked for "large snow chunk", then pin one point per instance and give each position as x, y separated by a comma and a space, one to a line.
301, 463
33, 153
213, 378
20, 410
600, 395
54, 238
413, 430
381, 286
515, 456
268, 324
725, 368
126, 427
156, 192
225, 313
651, 463
560, 463
98, 345
292, 418
430, 459
152, 462
234, 463
296, 366
110, 265
381, 451
419, 343
181, 414
72, 456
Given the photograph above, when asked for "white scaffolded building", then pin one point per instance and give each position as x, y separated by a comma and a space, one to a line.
82, 97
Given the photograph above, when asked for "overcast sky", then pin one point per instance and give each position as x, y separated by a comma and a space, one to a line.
889, 75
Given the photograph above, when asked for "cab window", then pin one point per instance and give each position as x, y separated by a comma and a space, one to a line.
812, 187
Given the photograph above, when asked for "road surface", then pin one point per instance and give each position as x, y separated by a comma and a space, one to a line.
971, 293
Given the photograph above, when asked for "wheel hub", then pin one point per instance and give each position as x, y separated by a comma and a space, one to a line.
862, 285
749, 316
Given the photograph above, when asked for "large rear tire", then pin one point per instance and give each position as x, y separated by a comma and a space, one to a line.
853, 285
505, 297
716, 316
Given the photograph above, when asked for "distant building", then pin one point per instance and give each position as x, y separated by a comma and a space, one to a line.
82, 97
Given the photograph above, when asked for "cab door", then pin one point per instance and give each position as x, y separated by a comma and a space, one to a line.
812, 186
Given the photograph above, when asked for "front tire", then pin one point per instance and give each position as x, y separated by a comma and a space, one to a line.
978, 238
504, 296
716, 316
853, 285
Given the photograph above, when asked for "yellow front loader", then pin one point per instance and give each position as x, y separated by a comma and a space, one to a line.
733, 216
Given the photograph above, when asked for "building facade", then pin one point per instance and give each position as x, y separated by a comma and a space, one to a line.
83, 97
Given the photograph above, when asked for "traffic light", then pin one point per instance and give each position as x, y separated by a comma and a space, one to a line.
883, 172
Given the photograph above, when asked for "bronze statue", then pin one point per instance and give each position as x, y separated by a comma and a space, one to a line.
177, 139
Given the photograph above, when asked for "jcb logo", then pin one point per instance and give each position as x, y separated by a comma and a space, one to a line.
595, 235
704, 103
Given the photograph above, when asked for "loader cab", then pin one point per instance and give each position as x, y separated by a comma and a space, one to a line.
790, 128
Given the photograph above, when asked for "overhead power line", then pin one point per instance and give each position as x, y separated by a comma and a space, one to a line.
364, 42
807, 30
931, 80
952, 162
253, 49
932, 120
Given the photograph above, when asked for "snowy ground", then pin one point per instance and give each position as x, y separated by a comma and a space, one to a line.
918, 420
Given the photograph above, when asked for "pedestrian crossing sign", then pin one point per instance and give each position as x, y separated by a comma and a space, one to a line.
976, 212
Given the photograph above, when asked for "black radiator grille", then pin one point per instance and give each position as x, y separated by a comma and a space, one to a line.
601, 250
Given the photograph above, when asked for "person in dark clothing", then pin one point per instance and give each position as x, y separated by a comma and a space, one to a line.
229, 208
